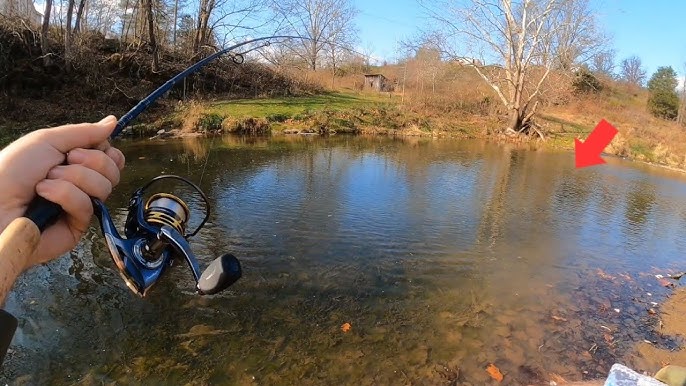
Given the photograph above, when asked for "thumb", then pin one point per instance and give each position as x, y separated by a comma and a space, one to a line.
84, 135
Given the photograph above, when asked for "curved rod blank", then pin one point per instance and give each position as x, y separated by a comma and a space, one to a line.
148, 100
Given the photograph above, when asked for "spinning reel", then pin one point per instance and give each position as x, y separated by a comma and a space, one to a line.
155, 235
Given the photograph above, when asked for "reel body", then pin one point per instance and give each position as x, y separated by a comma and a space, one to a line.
155, 236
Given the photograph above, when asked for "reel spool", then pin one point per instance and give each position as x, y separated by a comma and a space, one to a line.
167, 209
156, 235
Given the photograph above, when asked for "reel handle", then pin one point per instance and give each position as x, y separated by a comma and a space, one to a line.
219, 275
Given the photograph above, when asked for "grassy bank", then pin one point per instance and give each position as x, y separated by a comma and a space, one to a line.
330, 113
290, 107
641, 137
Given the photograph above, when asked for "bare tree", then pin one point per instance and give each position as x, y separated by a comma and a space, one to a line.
163, 22
281, 56
221, 20
523, 40
368, 55
79, 16
428, 58
175, 21
44, 44
338, 47
147, 6
98, 15
68, 34
185, 34
19, 9
681, 116
603, 62
632, 71
322, 22
202, 31
576, 38
334, 54
127, 18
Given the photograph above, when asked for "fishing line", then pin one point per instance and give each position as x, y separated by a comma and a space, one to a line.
209, 151
234, 58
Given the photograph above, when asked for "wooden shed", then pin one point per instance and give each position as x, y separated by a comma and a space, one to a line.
377, 82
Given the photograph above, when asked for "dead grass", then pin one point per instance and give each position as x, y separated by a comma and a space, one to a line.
190, 116
247, 126
641, 136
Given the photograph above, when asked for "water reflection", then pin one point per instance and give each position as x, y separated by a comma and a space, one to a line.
639, 203
444, 256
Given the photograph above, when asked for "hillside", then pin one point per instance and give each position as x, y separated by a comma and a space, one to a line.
641, 136
109, 78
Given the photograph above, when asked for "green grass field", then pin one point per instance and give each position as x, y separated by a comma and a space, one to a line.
291, 106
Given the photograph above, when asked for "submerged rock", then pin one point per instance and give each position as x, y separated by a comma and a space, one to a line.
201, 330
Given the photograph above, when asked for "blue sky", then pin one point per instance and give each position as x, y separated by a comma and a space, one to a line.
383, 23
655, 30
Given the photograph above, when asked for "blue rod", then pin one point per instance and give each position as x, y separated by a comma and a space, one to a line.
148, 100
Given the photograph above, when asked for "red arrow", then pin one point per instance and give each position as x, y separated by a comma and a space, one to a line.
588, 152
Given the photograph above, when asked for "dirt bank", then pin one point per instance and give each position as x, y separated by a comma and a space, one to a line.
672, 322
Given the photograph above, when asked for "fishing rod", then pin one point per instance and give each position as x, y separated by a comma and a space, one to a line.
155, 231
148, 100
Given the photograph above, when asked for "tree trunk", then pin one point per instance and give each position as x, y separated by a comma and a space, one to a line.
176, 12
681, 115
333, 77
333, 67
44, 33
433, 82
79, 16
68, 36
151, 36
518, 109
402, 99
124, 21
313, 55
136, 18
142, 21
516, 119
201, 35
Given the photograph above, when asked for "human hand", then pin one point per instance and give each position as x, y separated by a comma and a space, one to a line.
34, 165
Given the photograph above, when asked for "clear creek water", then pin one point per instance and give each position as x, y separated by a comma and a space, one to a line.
443, 256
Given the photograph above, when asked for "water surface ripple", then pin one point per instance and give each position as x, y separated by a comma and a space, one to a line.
443, 256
